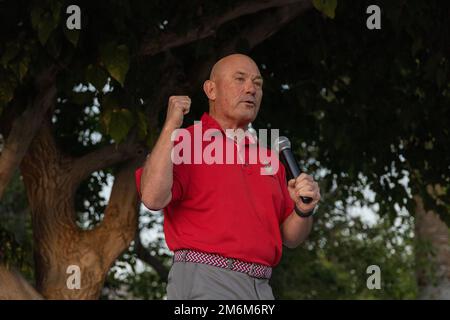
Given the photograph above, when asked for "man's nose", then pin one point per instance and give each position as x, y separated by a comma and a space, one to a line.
250, 87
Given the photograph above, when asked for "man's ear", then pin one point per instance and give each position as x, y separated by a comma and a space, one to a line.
210, 89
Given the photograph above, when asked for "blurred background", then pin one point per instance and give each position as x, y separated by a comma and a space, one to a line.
363, 96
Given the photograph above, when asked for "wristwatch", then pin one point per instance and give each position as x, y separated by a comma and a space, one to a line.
306, 214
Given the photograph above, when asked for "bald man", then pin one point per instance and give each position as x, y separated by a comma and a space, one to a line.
225, 222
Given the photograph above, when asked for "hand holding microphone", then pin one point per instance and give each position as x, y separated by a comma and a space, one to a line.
302, 187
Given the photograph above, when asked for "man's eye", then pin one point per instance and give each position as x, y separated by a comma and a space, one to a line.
240, 79
258, 84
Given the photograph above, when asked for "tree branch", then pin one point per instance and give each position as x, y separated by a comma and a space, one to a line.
209, 25
118, 228
105, 157
266, 25
260, 29
26, 126
144, 255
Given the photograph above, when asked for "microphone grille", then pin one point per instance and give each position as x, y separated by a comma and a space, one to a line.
282, 143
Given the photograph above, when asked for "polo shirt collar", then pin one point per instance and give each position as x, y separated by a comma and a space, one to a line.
209, 122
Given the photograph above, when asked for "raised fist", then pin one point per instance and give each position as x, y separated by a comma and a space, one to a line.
178, 106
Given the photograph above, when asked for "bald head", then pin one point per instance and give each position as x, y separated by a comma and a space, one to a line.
227, 62
234, 90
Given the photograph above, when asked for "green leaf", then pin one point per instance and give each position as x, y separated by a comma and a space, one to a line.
20, 68
6, 91
23, 67
110, 102
36, 14
96, 76
44, 22
327, 7
120, 124
72, 35
116, 60
56, 10
109, 105
45, 28
105, 120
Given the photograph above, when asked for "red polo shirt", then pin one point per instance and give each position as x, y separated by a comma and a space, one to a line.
229, 209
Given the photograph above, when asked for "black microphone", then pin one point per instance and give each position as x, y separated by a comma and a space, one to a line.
283, 147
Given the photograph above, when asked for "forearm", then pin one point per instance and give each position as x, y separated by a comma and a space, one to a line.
157, 175
295, 230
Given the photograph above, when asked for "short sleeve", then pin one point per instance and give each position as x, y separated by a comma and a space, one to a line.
180, 181
138, 175
289, 204
180, 176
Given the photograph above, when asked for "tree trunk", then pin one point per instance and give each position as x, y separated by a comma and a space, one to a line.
14, 287
58, 242
433, 251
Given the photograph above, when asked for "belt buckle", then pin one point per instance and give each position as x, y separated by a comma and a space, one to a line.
230, 262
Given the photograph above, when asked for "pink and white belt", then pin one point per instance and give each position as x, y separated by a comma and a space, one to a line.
252, 269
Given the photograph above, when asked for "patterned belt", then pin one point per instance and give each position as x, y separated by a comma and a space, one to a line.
252, 269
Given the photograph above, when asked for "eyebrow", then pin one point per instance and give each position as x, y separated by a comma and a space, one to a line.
245, 74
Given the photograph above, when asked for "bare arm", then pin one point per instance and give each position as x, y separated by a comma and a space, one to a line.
157, 175
295, 230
